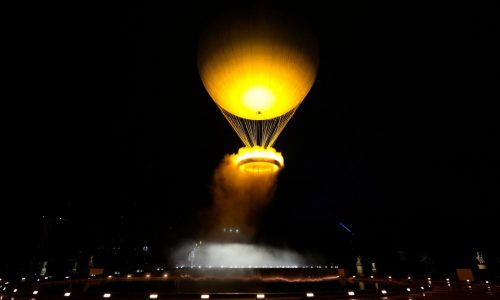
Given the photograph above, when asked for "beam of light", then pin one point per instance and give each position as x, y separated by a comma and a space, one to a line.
344, 226
258, 160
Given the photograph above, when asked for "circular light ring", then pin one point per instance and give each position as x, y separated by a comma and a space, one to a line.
258, 160
259, 165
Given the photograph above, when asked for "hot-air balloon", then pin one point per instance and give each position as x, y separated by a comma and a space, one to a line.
258, 70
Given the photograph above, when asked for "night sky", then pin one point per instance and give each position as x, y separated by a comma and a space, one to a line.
397, 139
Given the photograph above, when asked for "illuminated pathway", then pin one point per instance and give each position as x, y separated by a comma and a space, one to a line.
181, 285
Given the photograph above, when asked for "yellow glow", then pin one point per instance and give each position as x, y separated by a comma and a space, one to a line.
258, 160
259, 98
257, 71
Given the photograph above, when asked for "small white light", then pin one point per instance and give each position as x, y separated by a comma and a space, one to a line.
106, 295
129, 275
390, 277
35, 292
67, 277
109, 276
422, 288
310, 295
153, 296
15, 290
383, 292
22, 279
353, 276
260, 296
447, 279
428, 278
165, 275
148, 275
371, 277
487, 282
205, 296
67, 294
467, 280
46, 277
409, 277
408, 289
350, 293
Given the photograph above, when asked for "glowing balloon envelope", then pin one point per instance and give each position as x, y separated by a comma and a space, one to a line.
258, 69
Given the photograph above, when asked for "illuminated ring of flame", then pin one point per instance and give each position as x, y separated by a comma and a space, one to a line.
259, 164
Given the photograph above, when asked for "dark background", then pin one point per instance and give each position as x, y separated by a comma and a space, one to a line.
113, 131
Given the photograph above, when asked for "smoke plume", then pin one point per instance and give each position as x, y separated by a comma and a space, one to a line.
239, 197
237, 255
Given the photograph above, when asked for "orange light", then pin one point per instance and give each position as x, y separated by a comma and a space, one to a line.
258, 160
